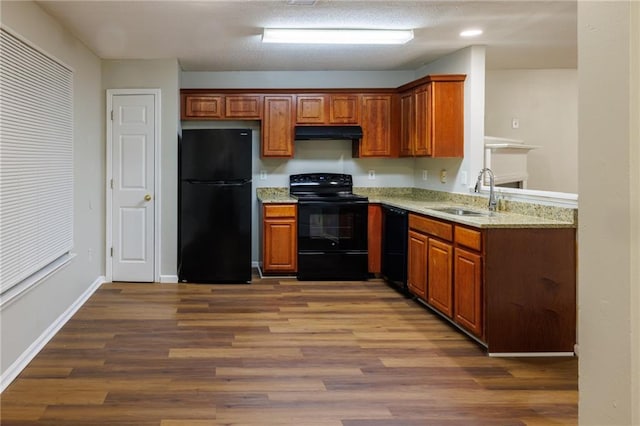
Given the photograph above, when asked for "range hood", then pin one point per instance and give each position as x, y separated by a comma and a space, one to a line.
304, 133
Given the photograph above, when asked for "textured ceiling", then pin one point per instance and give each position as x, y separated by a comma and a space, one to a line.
225, 35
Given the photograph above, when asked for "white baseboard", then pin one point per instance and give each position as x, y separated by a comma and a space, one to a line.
169, 279
23, 360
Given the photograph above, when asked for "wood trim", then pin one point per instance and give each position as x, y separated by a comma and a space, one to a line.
375, 238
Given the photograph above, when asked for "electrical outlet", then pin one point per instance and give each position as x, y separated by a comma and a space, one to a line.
443, 176
515, 123
425, 175
372, 174
263, 175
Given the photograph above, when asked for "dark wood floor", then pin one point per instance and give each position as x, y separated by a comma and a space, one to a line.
278, 352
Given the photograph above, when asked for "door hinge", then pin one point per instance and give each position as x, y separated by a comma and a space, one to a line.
111, 183
111, 251
111, 115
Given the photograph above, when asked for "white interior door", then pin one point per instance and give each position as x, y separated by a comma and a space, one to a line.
133, 197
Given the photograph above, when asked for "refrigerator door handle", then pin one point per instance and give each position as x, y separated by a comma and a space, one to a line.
218, 183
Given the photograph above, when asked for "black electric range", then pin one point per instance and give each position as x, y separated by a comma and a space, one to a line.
332, 227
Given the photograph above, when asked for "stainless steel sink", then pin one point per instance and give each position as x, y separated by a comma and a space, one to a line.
461, 212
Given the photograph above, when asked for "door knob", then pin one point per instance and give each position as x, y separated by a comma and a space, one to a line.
147, 197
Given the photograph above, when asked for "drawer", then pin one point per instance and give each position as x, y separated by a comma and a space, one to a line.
470, 238
432, 227
280, 210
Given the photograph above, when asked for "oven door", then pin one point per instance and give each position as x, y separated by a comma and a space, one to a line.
330, 226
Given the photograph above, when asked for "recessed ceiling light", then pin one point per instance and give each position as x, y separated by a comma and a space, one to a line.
470, 33
335, 36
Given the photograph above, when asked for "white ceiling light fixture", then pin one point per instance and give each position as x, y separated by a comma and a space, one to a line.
471, 33
335, 36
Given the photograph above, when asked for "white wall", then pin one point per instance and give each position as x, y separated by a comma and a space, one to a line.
25, 319
160, 74
294, 79
469, 61
609, 226
546, 104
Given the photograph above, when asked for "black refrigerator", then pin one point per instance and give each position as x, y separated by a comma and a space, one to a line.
214, 215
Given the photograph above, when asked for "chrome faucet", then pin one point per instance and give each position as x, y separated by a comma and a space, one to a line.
492, 196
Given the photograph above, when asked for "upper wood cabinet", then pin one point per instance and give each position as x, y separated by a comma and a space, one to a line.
421, 118
327, 109
344, 109
243, 106
278, 126
220, 106
432, 117
407, 123
311, 109
378, 127
202, 106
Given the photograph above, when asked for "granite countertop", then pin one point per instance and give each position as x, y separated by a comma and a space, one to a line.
511, 215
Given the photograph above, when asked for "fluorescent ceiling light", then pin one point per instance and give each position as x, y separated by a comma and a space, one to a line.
335, 36
470, 33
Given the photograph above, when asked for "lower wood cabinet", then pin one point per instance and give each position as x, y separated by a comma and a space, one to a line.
279, 238
514, 289
440, 276
417, 264
467, 289
443, 273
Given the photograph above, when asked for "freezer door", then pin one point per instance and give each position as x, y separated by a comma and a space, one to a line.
215, 154
215, 233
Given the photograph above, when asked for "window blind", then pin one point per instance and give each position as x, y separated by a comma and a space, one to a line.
36, 160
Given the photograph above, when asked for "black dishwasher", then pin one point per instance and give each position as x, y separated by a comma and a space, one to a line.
395, 228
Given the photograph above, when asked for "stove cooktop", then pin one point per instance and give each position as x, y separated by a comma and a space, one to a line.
328, 187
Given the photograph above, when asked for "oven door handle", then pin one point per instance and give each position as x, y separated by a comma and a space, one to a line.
352, 253
332, 203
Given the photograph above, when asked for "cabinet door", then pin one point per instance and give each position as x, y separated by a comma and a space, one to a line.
311, 109
277, 126
280, 253
343, 109
468, 290
417, 264
446, 103
203, 106
280, 243
243, 106
423, 123
376, 127
406, 124
375, 238
440, 275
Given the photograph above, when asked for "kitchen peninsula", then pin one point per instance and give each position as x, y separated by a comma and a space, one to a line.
507, 280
